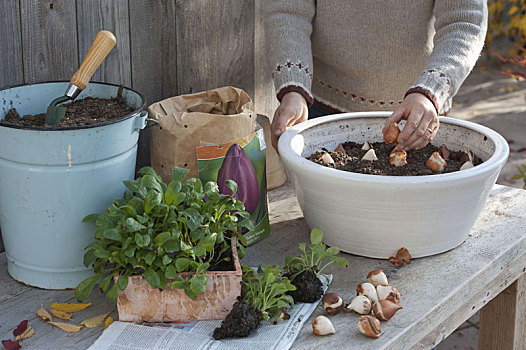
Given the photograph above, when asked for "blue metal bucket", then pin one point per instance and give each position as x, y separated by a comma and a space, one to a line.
51, 178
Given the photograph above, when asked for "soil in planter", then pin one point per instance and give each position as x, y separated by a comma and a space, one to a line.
352, 161
308, 287
88, 111
242, 320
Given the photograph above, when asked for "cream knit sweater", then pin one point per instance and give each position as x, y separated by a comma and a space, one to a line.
358, 55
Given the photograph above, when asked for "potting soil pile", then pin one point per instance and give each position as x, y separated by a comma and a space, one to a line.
198, 335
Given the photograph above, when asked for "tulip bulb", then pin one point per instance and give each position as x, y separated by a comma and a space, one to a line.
391, 134
339, 148
398, 158
369, 326
368, 290
466, 165
321, 325
436, 162
444, 152
332, 303
360, 304
385, 309
388, 293
378, 277
370, 155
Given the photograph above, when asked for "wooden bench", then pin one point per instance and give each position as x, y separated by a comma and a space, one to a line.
439, 293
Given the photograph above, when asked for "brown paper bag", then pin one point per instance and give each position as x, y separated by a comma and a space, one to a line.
212, 117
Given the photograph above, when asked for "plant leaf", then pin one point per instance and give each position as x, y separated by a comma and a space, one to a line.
161, 238
109, 321
84, 288
179, 174
113, 293
122, 281
43, 314
133, 225
60, 314
316, 236
112, 234
89, 257
90, 218
152, 278
70, 307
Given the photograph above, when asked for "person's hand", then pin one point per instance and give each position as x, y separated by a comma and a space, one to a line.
291, 111
422, 121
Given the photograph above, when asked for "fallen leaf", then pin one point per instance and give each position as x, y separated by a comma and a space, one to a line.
69, 307
60, 314
94, 321
401, 255
11, 345
21, 328
43, 314
109, 321
67, 327
28, 333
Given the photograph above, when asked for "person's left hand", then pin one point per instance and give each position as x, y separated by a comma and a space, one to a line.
422, 121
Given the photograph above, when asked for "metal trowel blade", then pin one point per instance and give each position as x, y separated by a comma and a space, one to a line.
55, 114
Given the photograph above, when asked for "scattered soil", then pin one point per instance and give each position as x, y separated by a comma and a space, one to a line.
352, 161
242, 320
308, 287
88, 111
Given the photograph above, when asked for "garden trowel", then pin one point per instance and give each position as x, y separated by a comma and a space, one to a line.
101, 47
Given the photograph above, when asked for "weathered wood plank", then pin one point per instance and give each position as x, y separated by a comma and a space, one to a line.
153, 48
11, 68
503, 320
49, 36
215, 44
265, 101
96, 15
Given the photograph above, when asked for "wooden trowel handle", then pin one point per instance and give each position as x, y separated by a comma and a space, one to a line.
101, 47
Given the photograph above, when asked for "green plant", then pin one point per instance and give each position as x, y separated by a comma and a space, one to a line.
521, 175
316, 258
266, 291
159, 230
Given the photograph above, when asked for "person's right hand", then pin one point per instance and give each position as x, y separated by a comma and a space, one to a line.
291, 111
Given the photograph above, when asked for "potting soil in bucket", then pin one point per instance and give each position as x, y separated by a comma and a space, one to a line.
52, 177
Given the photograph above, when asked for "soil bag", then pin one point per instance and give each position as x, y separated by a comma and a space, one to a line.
214, 134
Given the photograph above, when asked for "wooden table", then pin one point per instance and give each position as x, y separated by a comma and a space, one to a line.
439, 293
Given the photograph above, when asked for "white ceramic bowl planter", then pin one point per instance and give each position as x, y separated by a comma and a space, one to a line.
373, 215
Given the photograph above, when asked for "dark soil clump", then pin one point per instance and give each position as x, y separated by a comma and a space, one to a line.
88, 111
352, 161
242, 320
308, 287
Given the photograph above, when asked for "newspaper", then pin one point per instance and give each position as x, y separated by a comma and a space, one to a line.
198, 334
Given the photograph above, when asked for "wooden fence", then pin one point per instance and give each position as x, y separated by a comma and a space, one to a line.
164, 47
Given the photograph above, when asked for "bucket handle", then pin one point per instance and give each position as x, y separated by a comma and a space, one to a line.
142, 121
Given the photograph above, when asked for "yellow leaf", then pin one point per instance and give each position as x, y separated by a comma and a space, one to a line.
69, 307
60, 314
43, 314
67, 327
94, 321
513, 10
109, 321
28, 333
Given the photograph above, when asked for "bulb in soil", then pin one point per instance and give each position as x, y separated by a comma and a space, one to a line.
242, 320
436, 162
321, 325
398, 158
370, 155
466, 165
360, 304
388, 293
366, 146
332, 303
378, 277
391, 134
444, 152
339, 148
308, 287
467, 156
368, 290
327, 159
369, 326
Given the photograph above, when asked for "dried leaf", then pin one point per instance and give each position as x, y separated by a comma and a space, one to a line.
109, 321
69, 307
67, 327
21, 328
401, 255
94, 321
11, 345
60, 314
28, 333
43, 314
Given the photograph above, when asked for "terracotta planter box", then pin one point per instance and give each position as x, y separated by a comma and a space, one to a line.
140, 302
